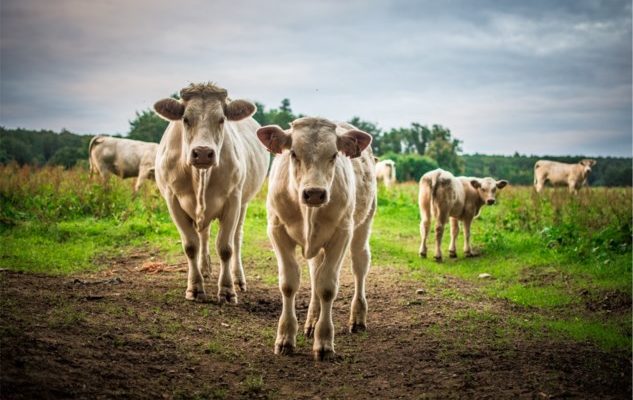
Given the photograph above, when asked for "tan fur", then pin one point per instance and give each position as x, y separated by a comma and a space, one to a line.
323, 232
574, 176
443, 196
386, 172
125, 158
197, 196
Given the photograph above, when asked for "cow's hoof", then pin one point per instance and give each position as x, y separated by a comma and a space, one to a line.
195, 295
324, 354
357, 327
308, 332
452, 254
423, 254
242, 286
438, 259
469, 254
284, 349
227, 296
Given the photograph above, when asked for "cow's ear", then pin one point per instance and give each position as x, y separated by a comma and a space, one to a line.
475, 183
274, 138
239, 109
501, 184
353, 142
170, 109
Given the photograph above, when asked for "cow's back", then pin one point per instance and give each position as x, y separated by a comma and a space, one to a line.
554, 171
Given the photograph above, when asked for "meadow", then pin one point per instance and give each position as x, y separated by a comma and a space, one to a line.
560, 268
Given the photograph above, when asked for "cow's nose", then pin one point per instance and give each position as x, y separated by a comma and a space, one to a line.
490, 202
314, 196
203, 156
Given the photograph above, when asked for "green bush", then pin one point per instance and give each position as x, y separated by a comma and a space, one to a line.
410, 167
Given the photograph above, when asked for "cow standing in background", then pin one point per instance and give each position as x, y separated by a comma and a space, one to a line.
386, 172
460, 199
125, 158
209, 165
574, 176
321, 197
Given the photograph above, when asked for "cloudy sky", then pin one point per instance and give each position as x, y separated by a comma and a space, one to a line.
538, 77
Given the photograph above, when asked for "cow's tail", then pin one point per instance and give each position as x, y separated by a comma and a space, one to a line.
438, 180
94, 141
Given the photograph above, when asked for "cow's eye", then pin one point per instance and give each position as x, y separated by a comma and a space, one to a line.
186, 121
334, 157
221, 121
293, 155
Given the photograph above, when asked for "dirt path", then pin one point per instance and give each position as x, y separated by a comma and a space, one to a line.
134, 336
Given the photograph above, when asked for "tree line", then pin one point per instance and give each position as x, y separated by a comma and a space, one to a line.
416, 149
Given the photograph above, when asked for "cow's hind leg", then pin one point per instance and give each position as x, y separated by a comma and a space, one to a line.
452, 251
361, 258
289, 279
425, 223
237, 267
441, 219
191, 245
224, 247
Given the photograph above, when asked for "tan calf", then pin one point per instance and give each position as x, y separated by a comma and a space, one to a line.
386, 172
574, 176
321, 197
460, 199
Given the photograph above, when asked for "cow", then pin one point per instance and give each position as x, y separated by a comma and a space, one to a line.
322, 198
386, 172
460, 199
125, 158
574, 176
209, 165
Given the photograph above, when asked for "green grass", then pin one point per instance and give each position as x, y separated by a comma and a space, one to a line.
542, 251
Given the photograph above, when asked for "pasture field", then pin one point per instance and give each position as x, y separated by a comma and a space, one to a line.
92, 304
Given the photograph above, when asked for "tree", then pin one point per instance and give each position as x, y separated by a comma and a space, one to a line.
444, 149
147, 126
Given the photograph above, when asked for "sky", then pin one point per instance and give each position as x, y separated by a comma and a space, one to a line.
538, 77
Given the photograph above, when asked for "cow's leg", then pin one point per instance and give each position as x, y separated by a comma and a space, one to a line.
361, 258
191, 245
224, 247
452, 251
289, 279
315, 306
468, 252
237, 268
326, 279
440, 220
204, 258
539, 182
425, 225
143, 175
573, 187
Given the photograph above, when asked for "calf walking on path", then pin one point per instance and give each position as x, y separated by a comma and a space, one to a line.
320, 201
459, 199
208, 166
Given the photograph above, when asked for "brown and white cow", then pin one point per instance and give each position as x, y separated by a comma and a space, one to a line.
573, 176
460, 199
208, 166
125, 158
386, 172
321, 197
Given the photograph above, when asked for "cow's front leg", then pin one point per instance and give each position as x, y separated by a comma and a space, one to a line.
361, 258
468, 251
326, 280
314, 309
289, 279
224, 247
204, 260
237, 268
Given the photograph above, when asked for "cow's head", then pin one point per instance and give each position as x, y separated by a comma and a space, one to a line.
313, 146
587, 163
487, 189
203, 110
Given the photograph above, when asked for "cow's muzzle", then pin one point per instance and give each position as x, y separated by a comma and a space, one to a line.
314, 197
490, 202
203, 157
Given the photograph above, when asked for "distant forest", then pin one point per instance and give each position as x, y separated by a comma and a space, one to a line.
415, 149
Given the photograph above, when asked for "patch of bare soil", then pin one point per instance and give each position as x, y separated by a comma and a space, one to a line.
127, 332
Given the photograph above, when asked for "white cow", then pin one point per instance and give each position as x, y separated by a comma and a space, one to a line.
386, 172
459, 199
573, 176
208, 166
321, 197
125, 158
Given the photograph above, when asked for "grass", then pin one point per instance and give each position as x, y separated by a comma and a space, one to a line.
543, 251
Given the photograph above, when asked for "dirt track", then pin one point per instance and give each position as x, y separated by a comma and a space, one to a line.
136, 337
